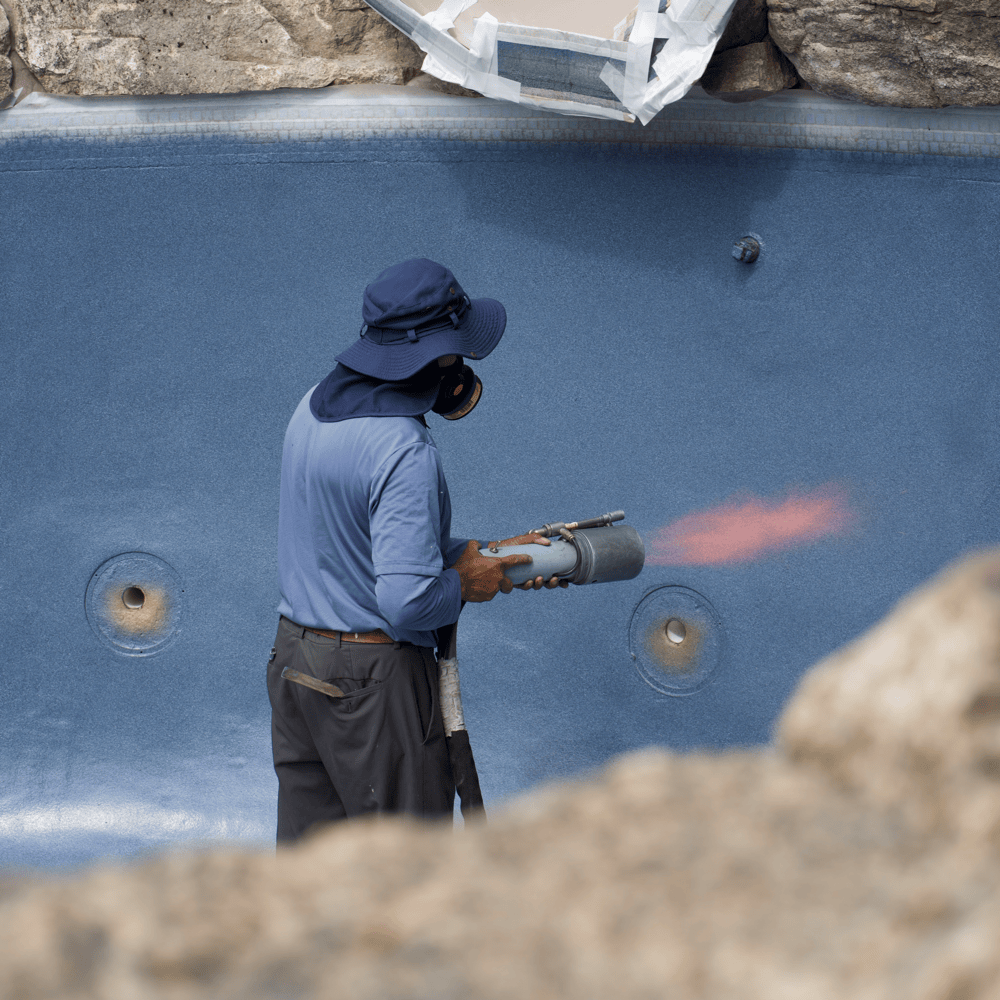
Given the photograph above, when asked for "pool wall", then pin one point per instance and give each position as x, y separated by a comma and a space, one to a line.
178, 272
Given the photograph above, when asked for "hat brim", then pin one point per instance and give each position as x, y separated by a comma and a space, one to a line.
480, 331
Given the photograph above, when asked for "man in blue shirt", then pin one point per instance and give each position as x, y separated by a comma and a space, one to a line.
367, 564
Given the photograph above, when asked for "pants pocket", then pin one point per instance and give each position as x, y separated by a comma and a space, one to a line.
355, 690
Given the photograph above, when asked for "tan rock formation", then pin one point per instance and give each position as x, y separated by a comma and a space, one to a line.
860, 859
22, 81
748, 73
914, 53
207, 46
908, 716
6, 68
746, 65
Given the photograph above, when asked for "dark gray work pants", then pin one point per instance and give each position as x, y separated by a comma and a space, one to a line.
380, 749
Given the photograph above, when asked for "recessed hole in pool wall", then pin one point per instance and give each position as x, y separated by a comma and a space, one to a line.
138, 609
133, 597
133, 603
674, 645
676, 640
676, 632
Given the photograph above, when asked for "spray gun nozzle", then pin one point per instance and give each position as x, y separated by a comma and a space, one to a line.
562, 527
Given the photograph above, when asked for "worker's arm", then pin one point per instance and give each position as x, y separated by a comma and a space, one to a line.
414, 588
418, 603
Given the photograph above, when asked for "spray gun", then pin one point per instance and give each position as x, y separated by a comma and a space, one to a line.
590, 551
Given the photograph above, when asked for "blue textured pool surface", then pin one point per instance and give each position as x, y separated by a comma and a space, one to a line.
167, 300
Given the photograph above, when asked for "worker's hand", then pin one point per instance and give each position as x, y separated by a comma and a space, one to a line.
483, 576
538, 582
523, 540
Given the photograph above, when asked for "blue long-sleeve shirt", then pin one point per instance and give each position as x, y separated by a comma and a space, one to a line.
364, 528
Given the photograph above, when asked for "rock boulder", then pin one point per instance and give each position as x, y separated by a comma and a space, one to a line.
207, 46
6, 68
748, 73
911, 54
908, 716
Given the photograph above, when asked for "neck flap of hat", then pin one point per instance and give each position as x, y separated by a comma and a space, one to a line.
345, 393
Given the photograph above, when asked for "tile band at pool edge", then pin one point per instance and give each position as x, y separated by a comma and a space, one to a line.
796, 120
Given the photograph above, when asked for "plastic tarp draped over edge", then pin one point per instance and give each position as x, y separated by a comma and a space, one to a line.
600, 59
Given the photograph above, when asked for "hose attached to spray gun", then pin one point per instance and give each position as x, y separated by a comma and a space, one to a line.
463, 764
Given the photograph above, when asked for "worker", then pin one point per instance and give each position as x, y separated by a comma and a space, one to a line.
367, 565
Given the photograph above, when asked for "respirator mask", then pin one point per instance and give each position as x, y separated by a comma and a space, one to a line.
459, 391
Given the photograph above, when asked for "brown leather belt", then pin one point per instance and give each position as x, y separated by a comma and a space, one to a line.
377, 636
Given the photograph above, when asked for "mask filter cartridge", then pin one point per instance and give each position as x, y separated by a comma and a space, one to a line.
460, 390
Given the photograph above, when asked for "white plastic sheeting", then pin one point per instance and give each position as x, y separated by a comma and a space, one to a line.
600, 58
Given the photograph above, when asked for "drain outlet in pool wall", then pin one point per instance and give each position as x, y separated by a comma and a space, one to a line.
676, 640
134, 603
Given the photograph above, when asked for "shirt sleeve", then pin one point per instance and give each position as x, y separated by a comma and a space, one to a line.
419, 603
413, 586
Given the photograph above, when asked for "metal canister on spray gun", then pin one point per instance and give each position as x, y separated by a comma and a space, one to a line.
584, 552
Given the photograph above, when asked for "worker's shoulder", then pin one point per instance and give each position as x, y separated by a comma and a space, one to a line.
385, 445
390, 434
378, 432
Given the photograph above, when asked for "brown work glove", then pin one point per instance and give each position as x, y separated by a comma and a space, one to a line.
538, 582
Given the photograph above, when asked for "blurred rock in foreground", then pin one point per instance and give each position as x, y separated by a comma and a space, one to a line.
860, 859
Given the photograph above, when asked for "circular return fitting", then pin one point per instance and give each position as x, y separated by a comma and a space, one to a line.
676, 640
133, 603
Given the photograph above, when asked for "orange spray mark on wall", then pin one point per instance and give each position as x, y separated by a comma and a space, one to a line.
746, 529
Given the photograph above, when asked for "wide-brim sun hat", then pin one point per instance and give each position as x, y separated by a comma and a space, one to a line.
416, 312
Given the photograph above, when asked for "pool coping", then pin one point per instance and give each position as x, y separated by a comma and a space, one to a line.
789, 120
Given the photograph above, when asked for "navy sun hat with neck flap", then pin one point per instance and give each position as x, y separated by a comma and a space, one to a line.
416, 312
